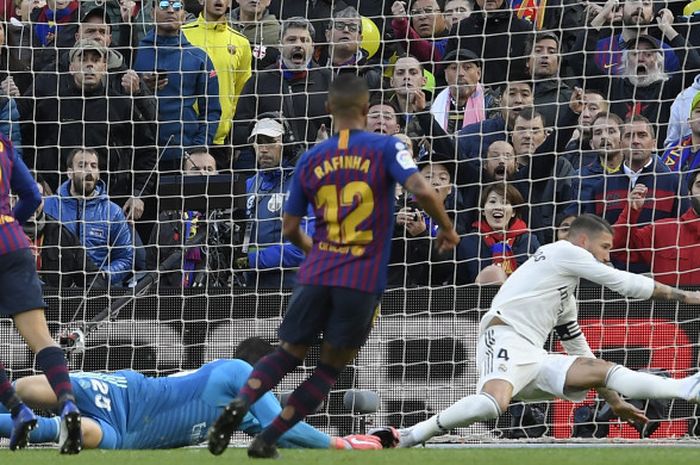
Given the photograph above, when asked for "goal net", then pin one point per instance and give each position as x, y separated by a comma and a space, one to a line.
164, 148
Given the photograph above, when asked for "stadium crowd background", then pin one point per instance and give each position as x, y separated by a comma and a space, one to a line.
522, 113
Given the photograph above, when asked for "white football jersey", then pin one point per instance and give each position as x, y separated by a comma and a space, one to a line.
539, 295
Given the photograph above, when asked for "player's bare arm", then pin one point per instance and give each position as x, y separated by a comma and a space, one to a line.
664, 292
426, 197
291, 227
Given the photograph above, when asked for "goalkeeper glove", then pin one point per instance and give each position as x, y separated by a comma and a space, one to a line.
388, 436
356, 441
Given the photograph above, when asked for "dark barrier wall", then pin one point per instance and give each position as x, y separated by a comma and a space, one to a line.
420, 357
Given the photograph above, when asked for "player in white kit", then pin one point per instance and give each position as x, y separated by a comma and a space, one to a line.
536, 299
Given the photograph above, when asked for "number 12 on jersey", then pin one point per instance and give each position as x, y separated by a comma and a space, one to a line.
344, 231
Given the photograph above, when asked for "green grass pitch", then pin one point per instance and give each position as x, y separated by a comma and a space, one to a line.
454, 456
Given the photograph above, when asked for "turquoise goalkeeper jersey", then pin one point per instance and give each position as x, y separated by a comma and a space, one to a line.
139, 412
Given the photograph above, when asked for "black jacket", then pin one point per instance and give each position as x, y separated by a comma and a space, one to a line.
64, 263
551, 99
499, 39
111, 123
302, 102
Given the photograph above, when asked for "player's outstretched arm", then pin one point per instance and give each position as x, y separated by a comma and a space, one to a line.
428, 200
664, 292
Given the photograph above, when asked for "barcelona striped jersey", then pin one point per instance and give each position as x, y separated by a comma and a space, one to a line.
350, 181
15, 177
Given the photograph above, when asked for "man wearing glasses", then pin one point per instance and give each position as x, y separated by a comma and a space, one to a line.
184, 82
344, 36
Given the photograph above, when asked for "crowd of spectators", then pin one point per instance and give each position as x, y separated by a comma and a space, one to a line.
521, 113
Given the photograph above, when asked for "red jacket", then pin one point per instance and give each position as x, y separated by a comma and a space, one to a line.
670, 246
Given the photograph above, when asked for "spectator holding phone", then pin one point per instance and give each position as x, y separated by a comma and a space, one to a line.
184, 82
413, 247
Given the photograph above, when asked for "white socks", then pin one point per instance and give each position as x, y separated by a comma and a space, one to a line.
640, 385
464, 412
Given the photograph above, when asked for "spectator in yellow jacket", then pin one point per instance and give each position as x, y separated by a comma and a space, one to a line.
231, 54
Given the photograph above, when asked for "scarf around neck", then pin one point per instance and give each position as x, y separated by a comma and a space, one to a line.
501, 242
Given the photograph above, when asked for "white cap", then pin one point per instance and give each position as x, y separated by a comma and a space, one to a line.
267, 127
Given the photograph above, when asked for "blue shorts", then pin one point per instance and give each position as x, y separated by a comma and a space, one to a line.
344, 316
20, 288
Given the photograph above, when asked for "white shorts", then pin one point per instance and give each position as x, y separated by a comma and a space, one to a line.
534, 373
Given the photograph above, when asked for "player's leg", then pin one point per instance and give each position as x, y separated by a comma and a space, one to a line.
300, 328
48, 430
32, 326
507, 363
20, 289
488, 404
352, 315
586, 373
21, 419
37, 392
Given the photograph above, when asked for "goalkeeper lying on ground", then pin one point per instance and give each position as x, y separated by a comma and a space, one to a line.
127, 410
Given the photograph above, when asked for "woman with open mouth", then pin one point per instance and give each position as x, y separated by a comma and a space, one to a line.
500, 240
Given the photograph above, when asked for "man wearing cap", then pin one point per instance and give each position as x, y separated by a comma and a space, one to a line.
464, 101
269, 259
496, 34
132, 18
90, 115
645, 88
684, 154
637, 16
544, 60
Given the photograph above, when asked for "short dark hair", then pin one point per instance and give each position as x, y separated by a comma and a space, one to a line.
74, 152
641, 119
508, 192
540, 36
692, 176
297, 22
253, 349
347, 93
590, 224
529, 113
610, 116
409, 5
384, 99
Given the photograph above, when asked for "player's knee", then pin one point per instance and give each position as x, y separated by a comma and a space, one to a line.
500, 392
296, 350
22, 387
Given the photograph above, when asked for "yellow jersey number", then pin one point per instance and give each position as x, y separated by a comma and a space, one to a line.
346, 232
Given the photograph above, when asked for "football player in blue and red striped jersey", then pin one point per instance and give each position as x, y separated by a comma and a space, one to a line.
21, 298
350, 181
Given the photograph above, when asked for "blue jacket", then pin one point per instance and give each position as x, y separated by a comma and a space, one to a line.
268, 249
473, 255
606, 194
9, 123
101, 226
188, 107
474, 139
